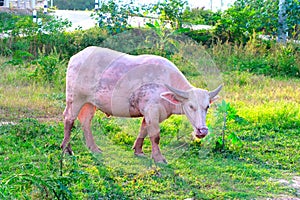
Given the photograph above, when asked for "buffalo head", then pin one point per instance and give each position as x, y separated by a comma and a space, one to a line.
194, 103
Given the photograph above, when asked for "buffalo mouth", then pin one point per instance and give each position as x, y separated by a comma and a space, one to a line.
201, 132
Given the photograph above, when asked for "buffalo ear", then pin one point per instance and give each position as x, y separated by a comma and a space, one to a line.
172, 98
211, 100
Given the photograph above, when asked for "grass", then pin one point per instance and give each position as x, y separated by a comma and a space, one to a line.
32, 166
21, 97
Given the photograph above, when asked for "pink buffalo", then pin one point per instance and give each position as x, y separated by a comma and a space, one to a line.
123, 85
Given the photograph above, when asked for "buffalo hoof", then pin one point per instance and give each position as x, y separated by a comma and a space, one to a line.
67, 150
163, 161
141, 154
95, 149
159, 159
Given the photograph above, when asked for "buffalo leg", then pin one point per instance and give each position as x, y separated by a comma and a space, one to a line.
85, 117
138, 144
69, 118
156, 154
66, 146
152, 126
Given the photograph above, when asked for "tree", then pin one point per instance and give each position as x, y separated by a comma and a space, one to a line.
168, 10
200, 16
282, 23
113, 16
267, 17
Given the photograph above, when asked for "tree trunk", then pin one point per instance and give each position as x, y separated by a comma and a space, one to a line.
282, 16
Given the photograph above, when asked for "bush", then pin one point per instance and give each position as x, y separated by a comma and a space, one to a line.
80, 39
244, 18
49, 69
200, 16
51, 36
204, 37
25, 35
258, 57
113, 16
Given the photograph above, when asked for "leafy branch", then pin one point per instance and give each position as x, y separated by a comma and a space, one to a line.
221, 137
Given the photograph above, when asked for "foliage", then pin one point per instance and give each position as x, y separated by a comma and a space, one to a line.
20, 57
29, 36
166, 41
66, 44
266, 14
45, 69
113, 16
225, 114
167, 11
7, 21
200, 16
23, 25
240, 21
235, 24
74, 5
204, 37
258, 57
48, 69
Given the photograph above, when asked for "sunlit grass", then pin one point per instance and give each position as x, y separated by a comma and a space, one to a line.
31, 156
21, 97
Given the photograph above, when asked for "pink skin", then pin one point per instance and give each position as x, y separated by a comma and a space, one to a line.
130, 86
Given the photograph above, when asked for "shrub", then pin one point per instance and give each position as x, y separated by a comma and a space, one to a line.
45, 70
168, 11
200, 16
49, 69
240, 21
258, 57
113, 16
80, 39
204, 37
26, 35
225, 114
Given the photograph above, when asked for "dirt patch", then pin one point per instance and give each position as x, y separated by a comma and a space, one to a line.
7, 123
294, 183
16, 11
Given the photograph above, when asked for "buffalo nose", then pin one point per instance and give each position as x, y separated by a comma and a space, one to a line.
202, 132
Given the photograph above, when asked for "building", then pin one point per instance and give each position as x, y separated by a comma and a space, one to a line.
21, 4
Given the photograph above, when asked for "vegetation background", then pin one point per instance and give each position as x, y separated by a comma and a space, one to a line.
252, 151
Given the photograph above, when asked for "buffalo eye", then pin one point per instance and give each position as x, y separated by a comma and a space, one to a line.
191, 107
206, 109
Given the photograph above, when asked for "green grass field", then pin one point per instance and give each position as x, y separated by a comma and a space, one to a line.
266, 166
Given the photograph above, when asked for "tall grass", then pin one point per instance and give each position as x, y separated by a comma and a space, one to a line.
258, 57
23, 94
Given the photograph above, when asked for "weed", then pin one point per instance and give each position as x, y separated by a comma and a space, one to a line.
20, 57
49, 69
258, 58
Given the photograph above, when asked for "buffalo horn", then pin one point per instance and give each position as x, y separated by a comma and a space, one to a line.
180, 93
213, 93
